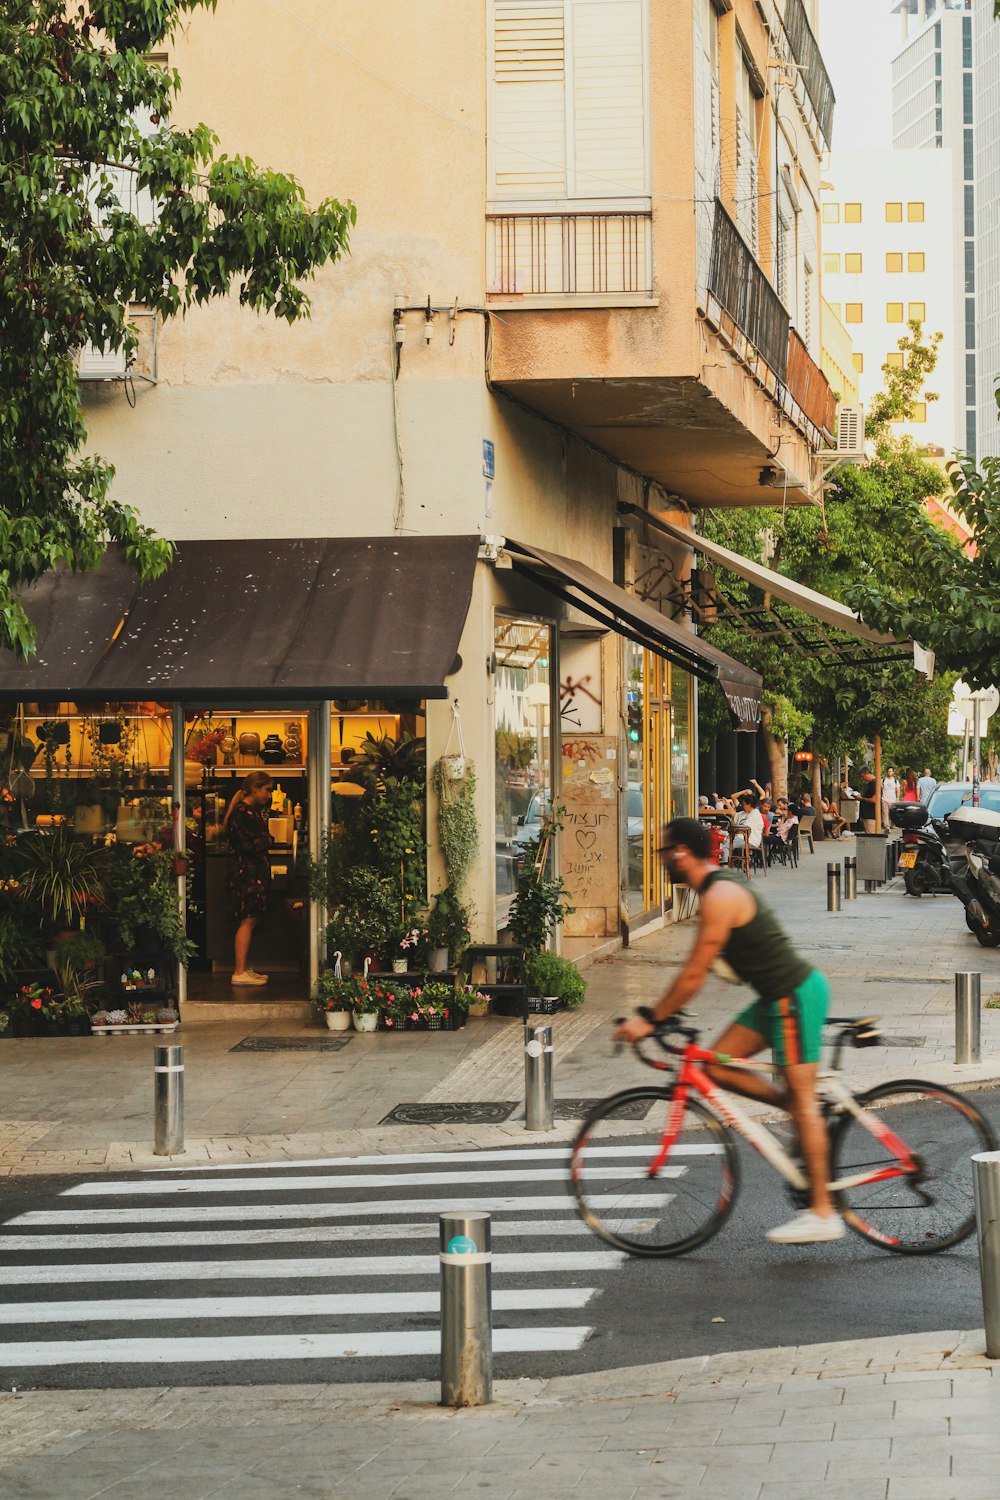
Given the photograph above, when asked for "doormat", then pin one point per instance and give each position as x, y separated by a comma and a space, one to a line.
291, 1044
491, 1112
575, 1109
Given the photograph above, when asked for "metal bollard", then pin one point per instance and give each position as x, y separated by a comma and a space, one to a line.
986, 1182
466, 1310
168, 1101
850, 878
833, 887
538, 1105
967, 1017
870, 887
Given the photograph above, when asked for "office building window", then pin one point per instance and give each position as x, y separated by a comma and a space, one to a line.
836, 309
859, 363
970, 266
970, 322
970, 211
918, 411
894, 260
970, 432
915, 213
967, 98
917, 310
852, 213
894, 312
970, 380
853, 312
831, 213
915, 261
831, 264
852, 263
966, 41
894, 361
894, 213
970, 156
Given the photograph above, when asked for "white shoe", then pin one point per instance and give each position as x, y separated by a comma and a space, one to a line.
808, 1228
249, 977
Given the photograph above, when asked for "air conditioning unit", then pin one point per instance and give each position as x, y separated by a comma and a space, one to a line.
95, 363
850, 433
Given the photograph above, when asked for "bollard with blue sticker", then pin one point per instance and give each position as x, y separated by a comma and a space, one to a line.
466, 1312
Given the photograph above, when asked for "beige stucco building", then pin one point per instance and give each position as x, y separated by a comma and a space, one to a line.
583, 286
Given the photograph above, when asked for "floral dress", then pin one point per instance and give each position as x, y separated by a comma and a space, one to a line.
248, 878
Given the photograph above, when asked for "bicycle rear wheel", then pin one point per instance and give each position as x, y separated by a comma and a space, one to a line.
928, 1212
678, 1208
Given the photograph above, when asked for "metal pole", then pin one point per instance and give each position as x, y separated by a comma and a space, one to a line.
850, 878
324, 754
986, 1181
538, 1106
466, 1311
833, 887
178, 794
967, 1049
168, 1101
975, 749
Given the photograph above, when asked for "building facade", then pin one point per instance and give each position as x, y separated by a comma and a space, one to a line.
986, 86
889, 260
933, 109
582, 295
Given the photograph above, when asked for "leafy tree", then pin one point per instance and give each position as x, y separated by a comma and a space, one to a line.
82, 108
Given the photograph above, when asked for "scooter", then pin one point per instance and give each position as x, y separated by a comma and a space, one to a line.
926, 850
982, 912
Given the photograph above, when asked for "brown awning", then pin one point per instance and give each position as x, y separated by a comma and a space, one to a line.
617, 610
346, 617
818, 606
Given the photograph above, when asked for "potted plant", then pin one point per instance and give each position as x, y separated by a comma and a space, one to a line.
366, 918
442, 1007
555, 981
540, 904
409, 950
448, 933
397, 1002
366, 1006
141, 910
334, 999
61, 876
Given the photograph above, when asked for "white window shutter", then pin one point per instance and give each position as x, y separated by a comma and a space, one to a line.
608, 107
529, 71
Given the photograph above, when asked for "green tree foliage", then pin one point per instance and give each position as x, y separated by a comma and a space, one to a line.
82, 108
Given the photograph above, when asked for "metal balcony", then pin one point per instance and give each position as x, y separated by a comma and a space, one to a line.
744, 295
575, 255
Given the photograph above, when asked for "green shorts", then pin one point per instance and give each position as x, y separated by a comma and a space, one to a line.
793, 1025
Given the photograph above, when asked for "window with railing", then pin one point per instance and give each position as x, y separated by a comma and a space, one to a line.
745, 295
570, 254
805, 50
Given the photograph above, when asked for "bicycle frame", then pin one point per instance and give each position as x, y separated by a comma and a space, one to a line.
691, 1078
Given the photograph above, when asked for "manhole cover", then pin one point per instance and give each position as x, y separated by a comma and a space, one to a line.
487, 1112
291, 1044
575, 1109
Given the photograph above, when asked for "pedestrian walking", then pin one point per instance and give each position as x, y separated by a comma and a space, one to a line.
926, 786
911, 791
890, 795
248, 878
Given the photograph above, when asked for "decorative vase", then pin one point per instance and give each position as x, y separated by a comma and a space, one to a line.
272, 751
437, 960
366, 1020
399, 965
338, 1020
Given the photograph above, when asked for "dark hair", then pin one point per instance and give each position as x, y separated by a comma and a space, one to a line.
251, 783
691, 834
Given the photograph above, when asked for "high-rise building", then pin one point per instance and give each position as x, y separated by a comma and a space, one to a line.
986, 103
932, 110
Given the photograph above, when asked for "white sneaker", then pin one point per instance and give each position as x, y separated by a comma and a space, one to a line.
248, 977
808, 1228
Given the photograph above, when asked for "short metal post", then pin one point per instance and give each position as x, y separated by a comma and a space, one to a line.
986, 1182
967, 1017
466, 1310
850, 878
833, 887
168, 1101
538, 1105
870, 886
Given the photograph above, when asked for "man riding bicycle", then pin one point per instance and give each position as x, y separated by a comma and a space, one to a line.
737, 927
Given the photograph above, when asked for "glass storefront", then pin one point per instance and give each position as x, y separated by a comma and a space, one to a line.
522, 685
681, 693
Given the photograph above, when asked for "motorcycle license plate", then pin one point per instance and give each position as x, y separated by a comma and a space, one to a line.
908, 860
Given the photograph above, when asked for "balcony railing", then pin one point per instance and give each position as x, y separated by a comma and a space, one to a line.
577, 255
805, 50
808, 387
745, 295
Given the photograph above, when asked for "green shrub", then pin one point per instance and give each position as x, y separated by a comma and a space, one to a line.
548, 974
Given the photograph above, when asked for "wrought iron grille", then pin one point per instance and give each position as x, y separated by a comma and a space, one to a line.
742, 290
570, 255
805, 50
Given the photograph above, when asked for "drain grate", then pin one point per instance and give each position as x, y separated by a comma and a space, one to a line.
291, 1044
575, 1109
485, 1112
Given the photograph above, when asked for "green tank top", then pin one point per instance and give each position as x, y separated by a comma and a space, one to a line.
760, 952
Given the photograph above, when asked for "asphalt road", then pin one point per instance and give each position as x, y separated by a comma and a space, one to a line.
91, 1267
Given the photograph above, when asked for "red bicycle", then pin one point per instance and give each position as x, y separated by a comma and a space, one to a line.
655, 1171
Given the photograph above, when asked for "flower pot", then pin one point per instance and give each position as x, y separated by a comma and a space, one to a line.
399, 965
366, 1021
338, 1020
437, 960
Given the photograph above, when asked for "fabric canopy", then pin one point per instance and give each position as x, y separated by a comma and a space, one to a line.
623, 612
818, 606
377, 617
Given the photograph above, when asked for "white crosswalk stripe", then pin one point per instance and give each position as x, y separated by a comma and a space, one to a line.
112, 1258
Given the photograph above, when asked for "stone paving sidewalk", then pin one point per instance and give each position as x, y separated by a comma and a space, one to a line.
909, 1418
85, 1104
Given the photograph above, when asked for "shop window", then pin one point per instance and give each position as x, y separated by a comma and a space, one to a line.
523, 740
831, 213
915, 260
914, 213
894, 213
852, 213
893, 260
918, 311
894, 312
853, 312
852, 264
859, 363
831, 265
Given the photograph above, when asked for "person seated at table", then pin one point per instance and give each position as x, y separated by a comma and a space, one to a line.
832, 821
748, 825
785, 819
765, 811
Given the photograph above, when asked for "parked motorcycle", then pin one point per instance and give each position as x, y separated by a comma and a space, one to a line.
982, 913
936, 856
924, 858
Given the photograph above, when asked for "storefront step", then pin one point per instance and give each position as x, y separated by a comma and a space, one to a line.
245, 1010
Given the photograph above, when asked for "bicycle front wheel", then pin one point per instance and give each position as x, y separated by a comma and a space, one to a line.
932, 1209
638, 1206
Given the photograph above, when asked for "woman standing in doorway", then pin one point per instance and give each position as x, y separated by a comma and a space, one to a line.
248, 879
